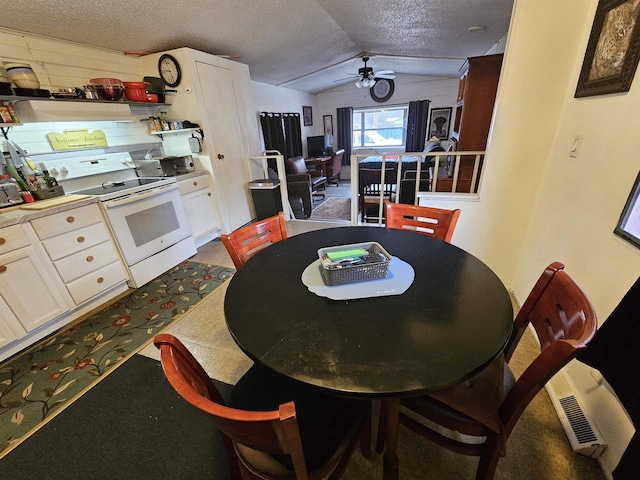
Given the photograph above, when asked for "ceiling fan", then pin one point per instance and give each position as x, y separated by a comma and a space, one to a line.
367, 77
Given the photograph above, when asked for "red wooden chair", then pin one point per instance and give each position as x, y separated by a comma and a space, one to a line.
437, 222
250, 239
272, 428
564, 322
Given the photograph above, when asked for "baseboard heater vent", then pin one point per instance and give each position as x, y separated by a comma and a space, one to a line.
583, 435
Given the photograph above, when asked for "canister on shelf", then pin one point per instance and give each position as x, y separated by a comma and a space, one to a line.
13, 113
5, 116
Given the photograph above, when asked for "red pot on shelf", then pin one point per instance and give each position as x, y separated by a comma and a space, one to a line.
135, 91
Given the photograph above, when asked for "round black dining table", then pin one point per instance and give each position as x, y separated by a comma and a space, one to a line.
454, 319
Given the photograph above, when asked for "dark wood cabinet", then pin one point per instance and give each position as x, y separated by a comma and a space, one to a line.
476, 98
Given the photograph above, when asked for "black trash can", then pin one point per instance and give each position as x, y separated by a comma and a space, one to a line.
266, 197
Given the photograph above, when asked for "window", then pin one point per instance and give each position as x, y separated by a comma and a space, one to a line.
379, 127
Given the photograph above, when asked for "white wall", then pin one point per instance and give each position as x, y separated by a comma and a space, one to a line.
580, 199
441, 92
538, 204
59, 64
268, 98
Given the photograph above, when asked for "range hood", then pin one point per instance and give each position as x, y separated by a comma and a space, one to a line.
70, 111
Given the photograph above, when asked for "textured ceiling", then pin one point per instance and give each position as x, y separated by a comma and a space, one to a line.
307, 45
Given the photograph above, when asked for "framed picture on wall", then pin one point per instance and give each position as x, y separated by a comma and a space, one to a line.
613, 50
628, 226
439, 121
307, 115
327, 120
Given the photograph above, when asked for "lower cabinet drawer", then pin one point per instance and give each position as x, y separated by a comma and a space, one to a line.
72, 242
86, 261
58, 223
96, 282
193, 184
12, 238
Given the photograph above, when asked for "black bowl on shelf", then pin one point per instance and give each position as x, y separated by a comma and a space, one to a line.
32, 92
5, 88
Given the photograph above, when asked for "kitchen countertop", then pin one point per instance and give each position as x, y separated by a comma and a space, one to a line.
195, 173
15, 216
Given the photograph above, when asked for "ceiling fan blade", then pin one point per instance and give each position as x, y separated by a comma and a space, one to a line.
350, 77
384, 72
384, 75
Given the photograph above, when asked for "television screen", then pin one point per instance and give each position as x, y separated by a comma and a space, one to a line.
629, 224
319, 145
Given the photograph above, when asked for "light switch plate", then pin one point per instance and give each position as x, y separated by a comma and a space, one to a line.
575, 146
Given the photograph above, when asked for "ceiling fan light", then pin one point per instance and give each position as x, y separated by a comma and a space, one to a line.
372, 83
365, 82
358, 84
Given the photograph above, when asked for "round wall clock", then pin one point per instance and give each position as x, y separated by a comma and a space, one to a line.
169, 70
382, 90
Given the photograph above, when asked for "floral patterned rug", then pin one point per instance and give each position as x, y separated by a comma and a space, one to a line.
36, 384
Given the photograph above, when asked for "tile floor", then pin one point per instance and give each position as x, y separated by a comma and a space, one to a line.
537, 449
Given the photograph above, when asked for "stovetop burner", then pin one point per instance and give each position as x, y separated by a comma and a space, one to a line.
111, 187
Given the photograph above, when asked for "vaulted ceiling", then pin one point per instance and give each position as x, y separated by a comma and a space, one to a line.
308, 45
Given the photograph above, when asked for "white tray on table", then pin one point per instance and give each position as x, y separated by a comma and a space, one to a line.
399, 278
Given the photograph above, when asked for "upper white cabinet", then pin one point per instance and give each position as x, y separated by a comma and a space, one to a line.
216, 93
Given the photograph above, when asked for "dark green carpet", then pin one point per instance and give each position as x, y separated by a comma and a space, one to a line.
38, 382
131, 425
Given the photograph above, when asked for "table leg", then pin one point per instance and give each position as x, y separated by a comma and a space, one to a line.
391, 412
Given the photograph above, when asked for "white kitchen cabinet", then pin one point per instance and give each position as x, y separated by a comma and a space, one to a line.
26, 287
216, 93
54, 269
82, 251
197, 198
10, 327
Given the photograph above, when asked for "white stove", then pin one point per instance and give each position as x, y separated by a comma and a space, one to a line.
113, 189
145, 214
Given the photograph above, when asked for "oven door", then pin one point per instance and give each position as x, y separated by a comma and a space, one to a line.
147, 222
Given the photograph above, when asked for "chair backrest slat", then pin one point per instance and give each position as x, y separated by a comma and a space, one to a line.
437, 222
245, 242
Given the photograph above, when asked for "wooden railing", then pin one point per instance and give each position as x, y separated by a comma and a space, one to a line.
453, 174
456, 173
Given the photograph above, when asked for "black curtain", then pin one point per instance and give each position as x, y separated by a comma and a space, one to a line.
281, 132
344, 119
292, 135
417, 125
272, 131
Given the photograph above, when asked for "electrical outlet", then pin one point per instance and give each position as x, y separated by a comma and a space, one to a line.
575, 146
